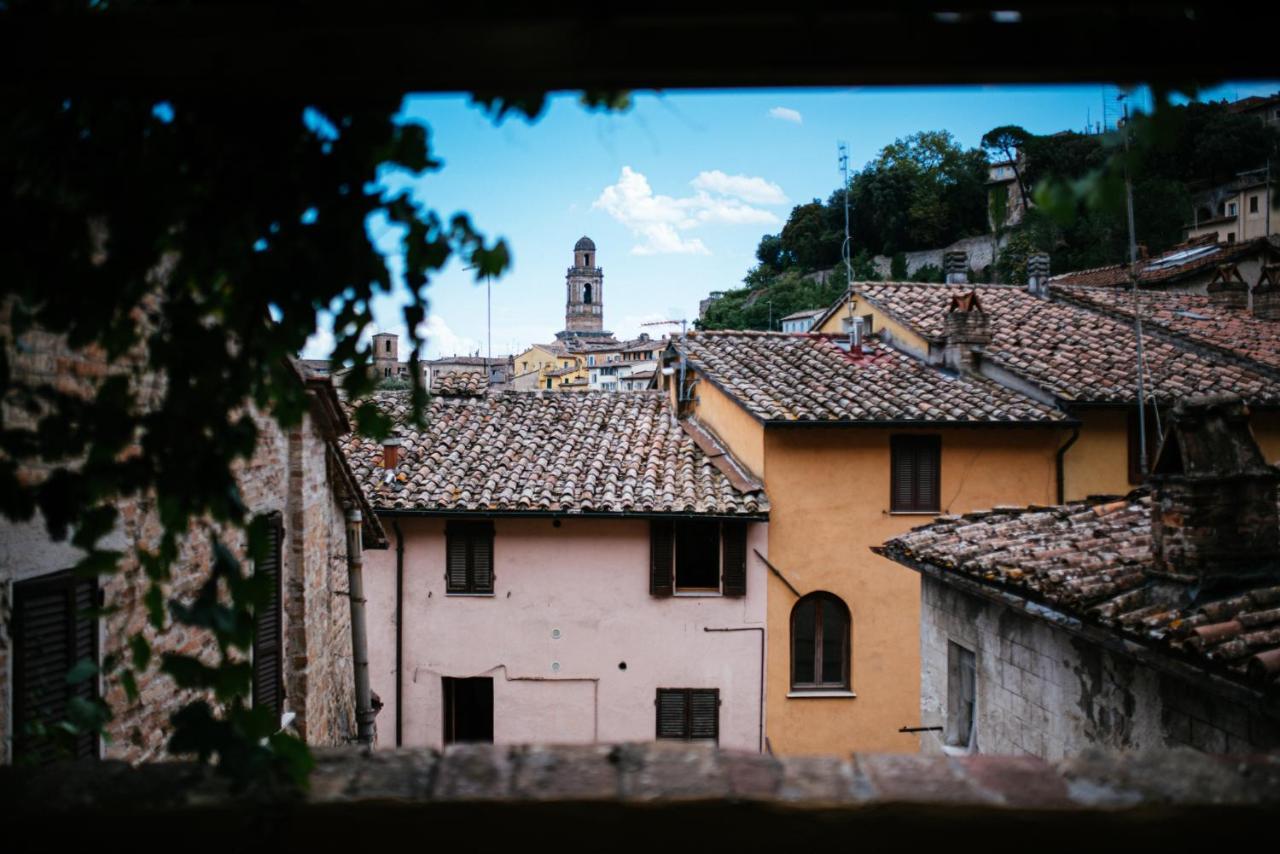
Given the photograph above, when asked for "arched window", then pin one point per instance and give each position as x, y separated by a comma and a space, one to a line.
820, 644
586, 293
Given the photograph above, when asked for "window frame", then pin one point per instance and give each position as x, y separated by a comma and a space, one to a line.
915, 443
731, 558
956, 681
845, 686
688, 727
468, 532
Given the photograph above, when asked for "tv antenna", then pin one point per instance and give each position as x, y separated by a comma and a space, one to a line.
846, 248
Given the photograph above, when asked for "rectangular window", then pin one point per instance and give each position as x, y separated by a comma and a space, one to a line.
51, 631
915, 464
1253, 204
468, 709
469, 557
268, 674
688, 714
698, 556
962, 684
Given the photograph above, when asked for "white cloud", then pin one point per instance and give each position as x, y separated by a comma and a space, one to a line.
658, 220
440, 339
757, 191
787, 114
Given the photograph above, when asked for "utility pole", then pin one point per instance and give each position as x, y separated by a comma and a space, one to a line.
1137, 309
846, 248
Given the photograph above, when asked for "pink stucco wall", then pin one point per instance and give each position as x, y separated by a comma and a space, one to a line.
589, 579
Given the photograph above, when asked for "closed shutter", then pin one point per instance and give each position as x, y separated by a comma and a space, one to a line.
481, 557
455, 558
704, 713
735, 558
268, 676
51, 632
661, 549
915, 463
673, 713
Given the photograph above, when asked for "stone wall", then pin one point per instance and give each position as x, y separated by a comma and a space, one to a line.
663, 797
980, 249
290, 474
1046, 692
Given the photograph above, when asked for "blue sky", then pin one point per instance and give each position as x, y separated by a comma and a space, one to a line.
675, 192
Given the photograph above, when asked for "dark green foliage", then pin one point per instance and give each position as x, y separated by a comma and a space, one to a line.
789, 292
929, 273
200, 236
898, 267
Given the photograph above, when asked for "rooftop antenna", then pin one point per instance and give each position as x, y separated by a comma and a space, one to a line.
846, 248
1137, 312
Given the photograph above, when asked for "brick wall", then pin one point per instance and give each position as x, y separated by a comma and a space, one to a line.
1048, 693
289, 473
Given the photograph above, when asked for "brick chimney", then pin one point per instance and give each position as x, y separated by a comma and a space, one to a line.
1038, 273
1266, 293
966, 327
1214, 517
955, 265
1228, 288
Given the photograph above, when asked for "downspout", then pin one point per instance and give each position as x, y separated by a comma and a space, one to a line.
395, 526
759, 629
1061, 455
359, 628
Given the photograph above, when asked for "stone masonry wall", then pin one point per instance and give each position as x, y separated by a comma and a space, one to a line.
1048, 693
289, 473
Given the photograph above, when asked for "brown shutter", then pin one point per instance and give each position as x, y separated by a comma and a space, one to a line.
704, 713
915, 463
481, 539
673, 712
455, 558
268, 677
735, 558
928, 452
51, 632
661, 547
902, 462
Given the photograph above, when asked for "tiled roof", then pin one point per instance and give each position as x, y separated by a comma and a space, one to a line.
459, 383
805, 377
1186, 259
810, 312
1192, 316
590, 452
1086, 561
1073, 352
472, 361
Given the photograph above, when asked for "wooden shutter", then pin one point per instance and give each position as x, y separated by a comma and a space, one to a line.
734, 552
915, 463
455, 558
268, 675
673, 713
661, 549
704, 713
481, 541
51, 632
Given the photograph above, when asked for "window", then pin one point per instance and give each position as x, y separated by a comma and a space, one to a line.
1231, 209
698, 556
469, 557
1231, 237
820, 644
688, 714
1253, 204
468, 709
961, 695
915, 462
51, 632
548, 382
586, 293
387, 348
268, 673
386, 372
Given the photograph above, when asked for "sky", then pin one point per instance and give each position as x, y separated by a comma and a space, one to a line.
676, 192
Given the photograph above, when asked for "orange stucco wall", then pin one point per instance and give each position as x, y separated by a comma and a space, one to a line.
829, 491
880, 322
735, 427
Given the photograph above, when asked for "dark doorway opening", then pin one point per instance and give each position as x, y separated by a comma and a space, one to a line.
468, 709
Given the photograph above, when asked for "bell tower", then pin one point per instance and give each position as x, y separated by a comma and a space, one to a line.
584, 288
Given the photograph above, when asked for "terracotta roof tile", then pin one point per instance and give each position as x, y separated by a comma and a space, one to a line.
1087, 560
806, 377
591, 452
1186, 259
459, 383
1074, 352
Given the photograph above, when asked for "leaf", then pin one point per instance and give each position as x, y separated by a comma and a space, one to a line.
82, 671
140, 648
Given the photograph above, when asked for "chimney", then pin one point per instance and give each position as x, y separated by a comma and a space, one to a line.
966, 328
955, 264
1228, 288
1038, 273
1266, 294
390, 453
1214, 517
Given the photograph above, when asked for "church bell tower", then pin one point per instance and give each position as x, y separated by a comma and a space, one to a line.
584, 286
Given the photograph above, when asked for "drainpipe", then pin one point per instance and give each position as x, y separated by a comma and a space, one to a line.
1062, 453
359, 628
395, 526
759, 629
